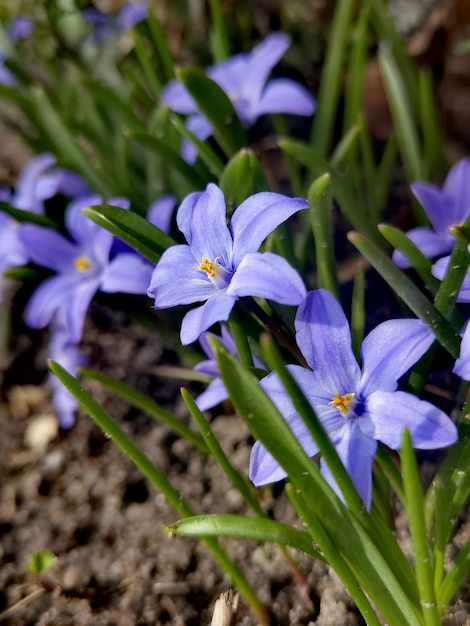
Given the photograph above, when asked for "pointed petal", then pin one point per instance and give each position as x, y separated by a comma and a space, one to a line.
25, 193
48, 248
196, 321
213, 395
177, 97
389, 413
160, 212
325, 341
257, 217
50, 296
456, 192
283, 95
75, 312
127, 273
430, 244
175, 279
131, 14
84, 231
356, 450
431, 198
202, 128
202, 219
264, 469
269, 276
389, 351
462, 364
260, 62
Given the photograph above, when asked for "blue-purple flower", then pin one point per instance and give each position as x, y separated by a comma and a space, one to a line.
216, 391
18, 28
67, 353
357, 408
161, 211
445, 207
105, 24
221, 264
82, 266
243, 78
462, 364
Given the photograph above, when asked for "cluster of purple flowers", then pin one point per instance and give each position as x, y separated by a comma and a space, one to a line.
86, 260
446, 207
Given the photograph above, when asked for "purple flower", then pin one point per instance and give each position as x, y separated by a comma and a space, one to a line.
216, 391
19, 27
160, 212
439, 269
222, 264
82, 267
105, 24
12, 251
40, 180
243, 77
462, 364
445, 207
357, 408
65, 352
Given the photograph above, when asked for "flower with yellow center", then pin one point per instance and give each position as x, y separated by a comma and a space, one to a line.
83, 263
342, 402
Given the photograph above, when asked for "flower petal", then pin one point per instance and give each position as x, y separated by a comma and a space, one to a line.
324, 338
175, 279
389, 413
127, 273
462, 364
257, 217
75, 311
131, 13
196, 321
430, 244
264, 469
389, 351
269, 276
261, 61
48, 248
25, 194
213, 395
160, 212
456, 192
202, 219
50, 296
202, 128
177, 97
356, 450
283, 95
84, 231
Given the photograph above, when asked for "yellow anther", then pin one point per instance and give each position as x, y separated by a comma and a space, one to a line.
83, 263
207, 266
342, 402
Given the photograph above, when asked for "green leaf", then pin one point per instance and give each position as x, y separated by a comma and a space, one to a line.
191, 177
262, 529
157, 478
409, 293
204, 150
41, 561
20, 272
145, 404
131, 228
165, 64
319, 199
218, 35
22, 215
243, 176
420, 263
421, 549
213, 102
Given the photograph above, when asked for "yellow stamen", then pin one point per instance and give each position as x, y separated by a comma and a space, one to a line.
207, 266
342, 402
83, 263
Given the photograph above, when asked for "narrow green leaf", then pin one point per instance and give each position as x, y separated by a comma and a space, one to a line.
189, 174
319, 199
147, 64
226, 525
433, 142
158, 479
421, 549
131, 228
162, 50
213, 102
420, 263
218, 35
409, 293
20, 272
243, 176
204, 150
456, 576
354, 92
22, 215
332, 75
358, 311
145, 404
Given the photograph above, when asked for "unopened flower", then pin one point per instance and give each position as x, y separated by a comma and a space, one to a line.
447, 206
357, 408
216, 391
244, 77
83, 266
221, 264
